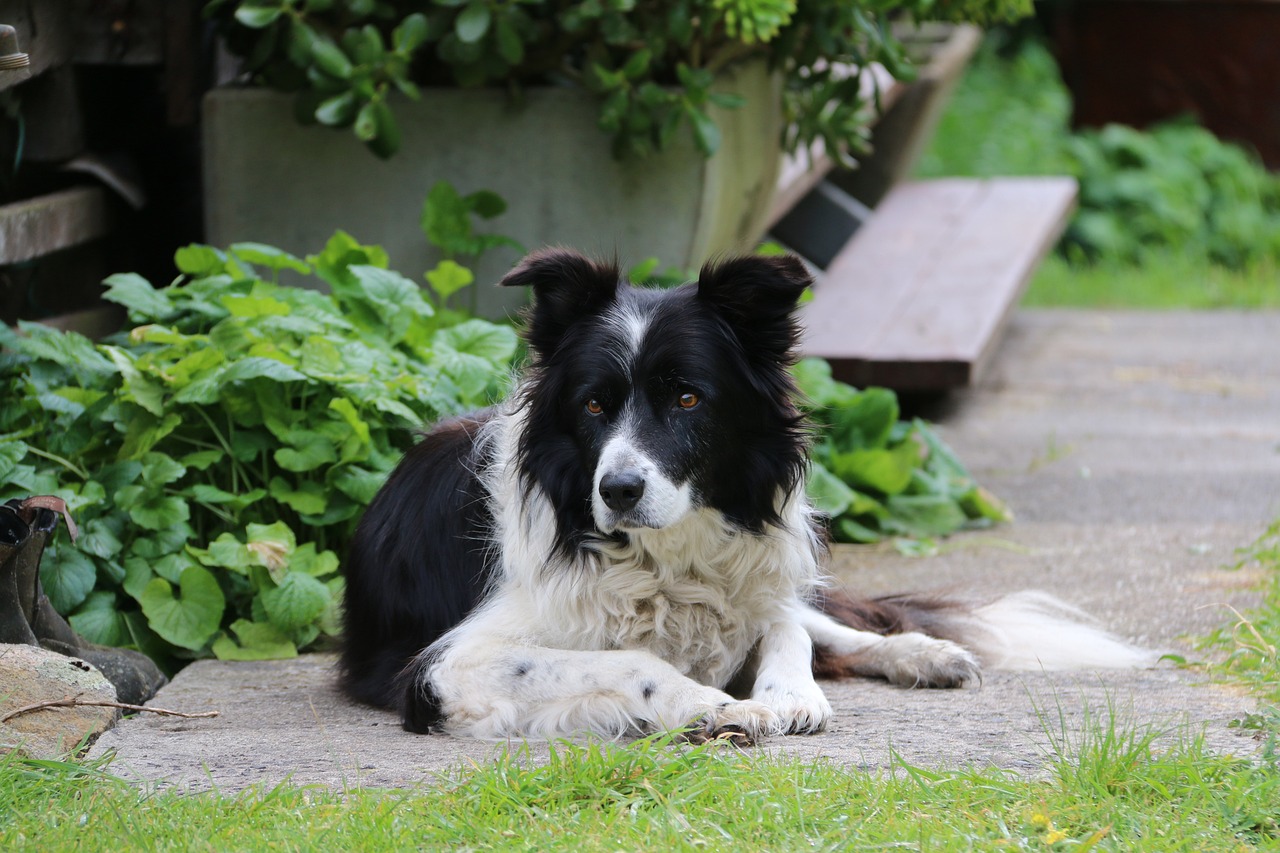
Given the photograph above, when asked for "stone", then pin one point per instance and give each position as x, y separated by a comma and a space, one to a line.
30, 675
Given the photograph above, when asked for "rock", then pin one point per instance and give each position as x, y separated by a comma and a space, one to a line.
30, 675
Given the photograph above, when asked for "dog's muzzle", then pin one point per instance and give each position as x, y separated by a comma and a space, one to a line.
622, 491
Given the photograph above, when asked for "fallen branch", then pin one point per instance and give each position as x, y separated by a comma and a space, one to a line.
76, 701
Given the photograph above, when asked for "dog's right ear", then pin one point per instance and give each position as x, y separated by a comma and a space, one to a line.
566, 288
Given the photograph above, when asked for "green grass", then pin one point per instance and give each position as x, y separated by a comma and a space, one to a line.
1111, 791
1163, 281
1252, 639
1112, 788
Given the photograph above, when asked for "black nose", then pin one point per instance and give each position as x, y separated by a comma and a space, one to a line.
622, 491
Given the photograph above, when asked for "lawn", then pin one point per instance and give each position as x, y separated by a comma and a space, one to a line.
1113, 789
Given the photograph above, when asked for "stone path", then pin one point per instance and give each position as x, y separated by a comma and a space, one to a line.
1139, 450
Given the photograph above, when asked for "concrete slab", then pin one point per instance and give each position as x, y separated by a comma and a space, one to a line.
1138, 450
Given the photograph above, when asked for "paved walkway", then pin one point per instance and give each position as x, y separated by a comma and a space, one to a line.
1139, 450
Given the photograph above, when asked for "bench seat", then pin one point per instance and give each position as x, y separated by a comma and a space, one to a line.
917, 298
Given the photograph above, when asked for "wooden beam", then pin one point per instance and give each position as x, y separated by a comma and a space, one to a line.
45, 224
918, 297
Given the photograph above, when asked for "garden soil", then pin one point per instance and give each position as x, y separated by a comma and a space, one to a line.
1138, 451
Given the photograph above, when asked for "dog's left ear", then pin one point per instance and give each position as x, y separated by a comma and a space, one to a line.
566, 288
757, 294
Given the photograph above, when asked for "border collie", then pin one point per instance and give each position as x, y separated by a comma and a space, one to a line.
625, 545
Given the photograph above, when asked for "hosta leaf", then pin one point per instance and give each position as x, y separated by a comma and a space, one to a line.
308, 498
307, 452
189, 616
67, 575
160, 512
297, 602
830, 496
145, 303
257, 641
272, 546
924, 515
99, 621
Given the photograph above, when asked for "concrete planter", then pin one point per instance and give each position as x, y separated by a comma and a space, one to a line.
270, 180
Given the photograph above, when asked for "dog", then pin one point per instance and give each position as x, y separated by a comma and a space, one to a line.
625, 546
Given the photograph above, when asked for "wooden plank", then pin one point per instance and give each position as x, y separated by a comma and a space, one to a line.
919, 296
45, 224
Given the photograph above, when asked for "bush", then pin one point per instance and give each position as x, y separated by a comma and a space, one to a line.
218, 453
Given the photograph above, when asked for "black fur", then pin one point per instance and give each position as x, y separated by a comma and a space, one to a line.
423, 552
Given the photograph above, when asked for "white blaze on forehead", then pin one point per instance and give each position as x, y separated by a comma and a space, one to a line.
630, 326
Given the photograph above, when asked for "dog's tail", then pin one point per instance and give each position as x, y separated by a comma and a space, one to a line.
1021, 631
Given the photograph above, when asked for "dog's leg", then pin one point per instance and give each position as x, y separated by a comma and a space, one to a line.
489, 687
909, 660
784, 679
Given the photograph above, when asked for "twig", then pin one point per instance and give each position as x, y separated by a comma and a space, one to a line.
76, 701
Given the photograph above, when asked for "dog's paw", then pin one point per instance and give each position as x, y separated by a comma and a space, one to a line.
800, 708
741, 723
915, 660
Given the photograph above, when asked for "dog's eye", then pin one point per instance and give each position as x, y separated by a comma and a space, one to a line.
593, 407
688, 400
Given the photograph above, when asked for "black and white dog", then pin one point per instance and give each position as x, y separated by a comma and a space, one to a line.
625, 545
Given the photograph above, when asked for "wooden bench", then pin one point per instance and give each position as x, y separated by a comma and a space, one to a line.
916, 279
917, 298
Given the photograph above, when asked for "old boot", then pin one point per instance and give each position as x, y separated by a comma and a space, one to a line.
14, 627
135, 676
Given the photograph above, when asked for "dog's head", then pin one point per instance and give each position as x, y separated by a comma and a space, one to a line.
644, 405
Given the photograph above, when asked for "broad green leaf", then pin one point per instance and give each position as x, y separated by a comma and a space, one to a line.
448, 278
490, 341
865, 420
159, 469
134, 292
307, 452
145, 431
272, 546
887, 471
199, 260
269, 257
309, 561
254, 367
68, 576
924, 515
160, 512
190, 617
297, 602
248, 305
307, 498
338, 110
359, 484
97, 538
99, 620
257, 641
410, 34
829, 495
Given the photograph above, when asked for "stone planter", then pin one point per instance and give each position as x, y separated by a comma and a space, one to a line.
270, 180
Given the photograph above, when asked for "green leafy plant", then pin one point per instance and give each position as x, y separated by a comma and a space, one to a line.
1175, 186
217, 454
875, 476
652, 65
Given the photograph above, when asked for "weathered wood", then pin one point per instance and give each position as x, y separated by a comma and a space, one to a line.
45, 224
918, 297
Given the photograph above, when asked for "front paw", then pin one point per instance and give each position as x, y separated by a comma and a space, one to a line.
741, 723
915, 660
800, 708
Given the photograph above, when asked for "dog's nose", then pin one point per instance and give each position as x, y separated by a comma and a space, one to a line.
622, 491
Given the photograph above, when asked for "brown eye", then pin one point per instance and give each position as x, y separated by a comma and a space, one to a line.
594, 407
688, 401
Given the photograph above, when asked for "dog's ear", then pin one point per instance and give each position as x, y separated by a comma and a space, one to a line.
757, 295
566, 288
